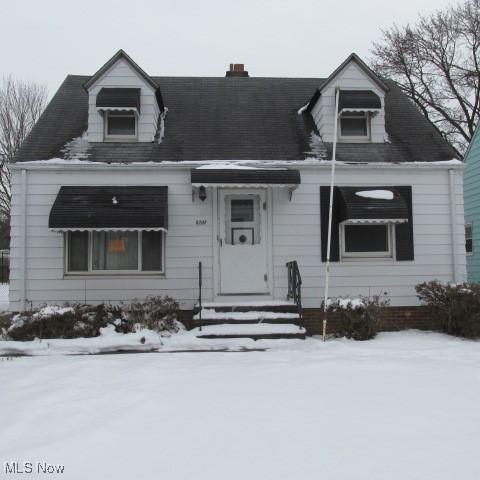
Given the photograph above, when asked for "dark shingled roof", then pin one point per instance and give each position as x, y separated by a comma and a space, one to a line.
233, 119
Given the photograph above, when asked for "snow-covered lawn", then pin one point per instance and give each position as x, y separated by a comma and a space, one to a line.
404, 406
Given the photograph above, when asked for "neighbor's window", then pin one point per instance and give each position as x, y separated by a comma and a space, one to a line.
366, 240
354, 125
469, 238
114, 252
120, 125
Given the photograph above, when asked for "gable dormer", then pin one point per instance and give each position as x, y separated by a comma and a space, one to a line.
361, 106
125, 104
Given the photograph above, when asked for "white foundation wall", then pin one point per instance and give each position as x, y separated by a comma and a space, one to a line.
296, 236
186, 242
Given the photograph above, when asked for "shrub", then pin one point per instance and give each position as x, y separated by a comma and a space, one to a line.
155, 313
70, 321
359, 317
79, 320
457, 307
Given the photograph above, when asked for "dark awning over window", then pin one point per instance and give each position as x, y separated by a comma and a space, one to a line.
359, 204
110, 208
119, 99
360, 100
240, 177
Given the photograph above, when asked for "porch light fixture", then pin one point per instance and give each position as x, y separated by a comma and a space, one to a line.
202, 193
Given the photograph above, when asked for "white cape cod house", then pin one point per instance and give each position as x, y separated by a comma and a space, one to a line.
128, 181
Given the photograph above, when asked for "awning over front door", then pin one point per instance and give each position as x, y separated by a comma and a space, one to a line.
372, 204
110, 208
245, 177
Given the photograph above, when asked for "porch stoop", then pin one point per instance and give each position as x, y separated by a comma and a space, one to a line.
256, 320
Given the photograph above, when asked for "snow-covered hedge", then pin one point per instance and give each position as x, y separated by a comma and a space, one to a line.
358, 318
456, 306
79, 320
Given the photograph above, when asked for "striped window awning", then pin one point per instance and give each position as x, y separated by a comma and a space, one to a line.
358, 101
118, 99
110, 208
372, 205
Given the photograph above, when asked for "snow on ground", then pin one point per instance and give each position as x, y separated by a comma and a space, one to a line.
402, 406
4, 287
211, 314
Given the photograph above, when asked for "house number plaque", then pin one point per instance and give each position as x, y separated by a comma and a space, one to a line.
201, 221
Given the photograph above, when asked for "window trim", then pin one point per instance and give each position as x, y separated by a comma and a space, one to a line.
356, 138
471, 252
119, 113
383, 255
97, 273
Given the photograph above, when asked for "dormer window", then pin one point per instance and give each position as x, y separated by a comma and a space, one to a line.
354, 126
120, 125
120, 108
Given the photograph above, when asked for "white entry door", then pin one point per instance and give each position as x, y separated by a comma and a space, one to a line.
243, 241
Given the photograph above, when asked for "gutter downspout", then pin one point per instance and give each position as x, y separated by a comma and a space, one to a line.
453, 222
24, 239
330, 208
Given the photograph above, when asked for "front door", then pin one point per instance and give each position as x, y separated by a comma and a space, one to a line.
243, 241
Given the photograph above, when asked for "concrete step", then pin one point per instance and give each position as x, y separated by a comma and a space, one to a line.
267, 305
214, 317
255, 331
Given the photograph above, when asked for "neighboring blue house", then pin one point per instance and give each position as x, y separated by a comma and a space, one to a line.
472, 207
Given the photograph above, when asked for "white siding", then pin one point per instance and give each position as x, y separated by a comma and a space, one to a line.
351, 77
122, 75
296, 236
186, 242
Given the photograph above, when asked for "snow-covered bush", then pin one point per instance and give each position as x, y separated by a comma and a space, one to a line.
456, 307
155, 313
358, 318
69, 321
79, 320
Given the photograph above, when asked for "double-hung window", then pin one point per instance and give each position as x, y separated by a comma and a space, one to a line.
354, 126
129, 252
366, 240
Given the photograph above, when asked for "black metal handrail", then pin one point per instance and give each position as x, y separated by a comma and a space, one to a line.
200, 280
295, 287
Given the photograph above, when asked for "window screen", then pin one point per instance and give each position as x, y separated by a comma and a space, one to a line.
353, 125
78, 251
115, 251
242, 210
121, 124
152, 251
469, 238
366, 238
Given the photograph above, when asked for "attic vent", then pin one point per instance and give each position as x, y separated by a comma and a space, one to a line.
237, 70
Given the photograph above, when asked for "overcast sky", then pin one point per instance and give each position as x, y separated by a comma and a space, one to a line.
45, 40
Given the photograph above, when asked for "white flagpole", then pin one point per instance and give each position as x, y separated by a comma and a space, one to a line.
329, 240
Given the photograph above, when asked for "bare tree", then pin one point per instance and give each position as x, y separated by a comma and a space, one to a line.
21, 104
436, 63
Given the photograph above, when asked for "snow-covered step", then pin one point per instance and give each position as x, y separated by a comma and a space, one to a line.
254, 330
257, 305
210, 315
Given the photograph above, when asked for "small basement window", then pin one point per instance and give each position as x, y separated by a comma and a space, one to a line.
120, 125
366, 240
469, 238
354, 126
109, 252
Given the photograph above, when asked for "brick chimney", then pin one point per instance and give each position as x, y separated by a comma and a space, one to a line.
237, 70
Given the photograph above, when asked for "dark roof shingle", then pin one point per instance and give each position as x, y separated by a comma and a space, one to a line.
233, 119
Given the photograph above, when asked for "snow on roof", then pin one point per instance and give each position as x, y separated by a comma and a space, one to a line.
378, 194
